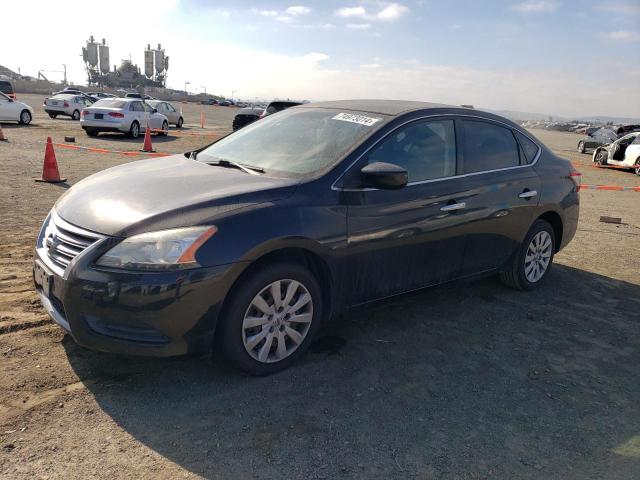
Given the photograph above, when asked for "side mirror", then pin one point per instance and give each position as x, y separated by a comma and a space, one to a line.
384, 175
154, 111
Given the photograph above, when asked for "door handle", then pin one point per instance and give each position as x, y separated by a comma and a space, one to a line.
453, 207
528, 194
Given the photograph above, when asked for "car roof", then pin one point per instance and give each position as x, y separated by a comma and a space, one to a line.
66, 95
384, 107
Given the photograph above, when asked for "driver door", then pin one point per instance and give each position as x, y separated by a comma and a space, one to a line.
405, 239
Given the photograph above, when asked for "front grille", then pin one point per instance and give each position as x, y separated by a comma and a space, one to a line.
60, 242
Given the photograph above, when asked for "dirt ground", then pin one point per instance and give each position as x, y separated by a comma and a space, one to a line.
468, 381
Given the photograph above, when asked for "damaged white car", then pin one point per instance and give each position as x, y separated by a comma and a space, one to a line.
624, 152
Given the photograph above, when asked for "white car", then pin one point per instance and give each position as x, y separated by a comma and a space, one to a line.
624, 152
165, 108
66, 104
13, 111
125, 115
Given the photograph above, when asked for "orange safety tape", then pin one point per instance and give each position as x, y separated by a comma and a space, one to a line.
105, 150
613, 188
178, 134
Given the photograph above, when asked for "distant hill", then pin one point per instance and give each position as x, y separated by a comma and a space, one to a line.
514, 115
9, 73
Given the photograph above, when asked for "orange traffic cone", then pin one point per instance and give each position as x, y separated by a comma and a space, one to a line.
50, 171
147, 147
2, 137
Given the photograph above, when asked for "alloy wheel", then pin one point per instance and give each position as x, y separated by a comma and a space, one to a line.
277, 321
538, 256
25, 118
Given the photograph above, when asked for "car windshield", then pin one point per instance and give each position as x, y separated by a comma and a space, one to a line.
296, 141
109, 103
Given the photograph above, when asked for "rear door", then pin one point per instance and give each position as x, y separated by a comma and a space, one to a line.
401, 240
503, 191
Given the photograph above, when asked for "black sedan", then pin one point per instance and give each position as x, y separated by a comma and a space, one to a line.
596, 138
252, 242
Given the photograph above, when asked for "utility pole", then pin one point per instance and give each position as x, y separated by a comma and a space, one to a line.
185, 87
204, 88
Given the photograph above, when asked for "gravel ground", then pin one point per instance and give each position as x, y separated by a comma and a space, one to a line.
472, 380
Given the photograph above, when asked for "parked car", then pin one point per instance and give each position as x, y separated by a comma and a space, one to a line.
224, 103
74, 91
599, 137
138, 95
14, 111
246, 116
125, 115
252, 242
67, 104
165, 108
278, 106
624, 152
6, 87
100, 95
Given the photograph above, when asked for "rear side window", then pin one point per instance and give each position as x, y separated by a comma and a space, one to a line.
488, 147
6, 87
136, 107
426, 150
529, 148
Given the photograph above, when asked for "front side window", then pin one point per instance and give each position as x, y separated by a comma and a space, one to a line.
637, 140
426, 150
488, 147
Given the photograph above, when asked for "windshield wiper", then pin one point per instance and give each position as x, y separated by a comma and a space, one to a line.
221, 162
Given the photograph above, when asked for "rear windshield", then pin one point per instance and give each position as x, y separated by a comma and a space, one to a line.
109, 103
296, 142
5, 87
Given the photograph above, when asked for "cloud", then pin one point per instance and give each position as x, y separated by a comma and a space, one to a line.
297, 10
359, 26
283, 18
535, 6
265, 13
328, 26
622, 36
389, 13
351, 12
371, 65
620, 7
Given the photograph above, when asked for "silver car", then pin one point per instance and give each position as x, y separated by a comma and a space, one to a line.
169, 111
126, 115
67, 104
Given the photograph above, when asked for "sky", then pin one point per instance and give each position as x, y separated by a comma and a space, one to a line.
559, 57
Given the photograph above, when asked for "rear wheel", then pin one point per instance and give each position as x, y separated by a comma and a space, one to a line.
91, 132
75, 115
53, 115
533, 260
180, 122
601, 157
581, 147
25, 117
271, 318
636, 167
134, 130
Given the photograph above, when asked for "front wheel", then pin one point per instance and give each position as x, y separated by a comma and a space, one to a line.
581, 147
25, 117
533, 259
601, 157
75, 115
165, 129
271, 319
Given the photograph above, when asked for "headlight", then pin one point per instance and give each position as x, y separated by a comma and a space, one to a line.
162, 250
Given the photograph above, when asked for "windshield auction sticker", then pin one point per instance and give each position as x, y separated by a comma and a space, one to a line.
353, 118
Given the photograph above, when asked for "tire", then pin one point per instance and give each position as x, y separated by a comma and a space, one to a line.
92, 133
636, 167
581, 147
519, 273
165, 128
53, 115
134, 130
25, 117
75, 115
180, 122
601, 157
233, 333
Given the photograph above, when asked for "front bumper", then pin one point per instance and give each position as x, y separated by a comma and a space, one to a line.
155, 314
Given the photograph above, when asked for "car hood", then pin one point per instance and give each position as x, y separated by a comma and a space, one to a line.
162, 193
